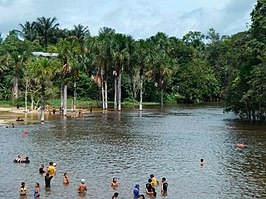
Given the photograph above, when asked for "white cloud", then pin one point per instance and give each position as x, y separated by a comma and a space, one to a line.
140, 18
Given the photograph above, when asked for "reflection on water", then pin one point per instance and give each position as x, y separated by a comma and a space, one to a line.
131, 145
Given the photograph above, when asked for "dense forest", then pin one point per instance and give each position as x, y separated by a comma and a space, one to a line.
114, 67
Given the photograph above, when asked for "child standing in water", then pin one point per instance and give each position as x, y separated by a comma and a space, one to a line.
23, 189
66, 179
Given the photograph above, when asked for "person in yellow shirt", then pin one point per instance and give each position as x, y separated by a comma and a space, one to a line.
154, 181
51, 169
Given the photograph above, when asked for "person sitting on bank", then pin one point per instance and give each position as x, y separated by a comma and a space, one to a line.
23, 189
19, 119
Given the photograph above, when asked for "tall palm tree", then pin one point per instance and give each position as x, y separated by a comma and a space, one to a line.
162, 63
45, 28
103, 60
80, 32
121, 51
142, 53
43, 69
68, 50
28, 31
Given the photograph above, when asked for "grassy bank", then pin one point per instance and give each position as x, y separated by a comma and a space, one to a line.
80, 104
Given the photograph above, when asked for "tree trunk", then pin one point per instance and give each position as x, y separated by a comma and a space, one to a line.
105, 94
62, 96
32, 102
15, 89
161, 96
65, 99
115, 94
75, 96
26, 96
119, 90
43, 104
103, 98
140, 93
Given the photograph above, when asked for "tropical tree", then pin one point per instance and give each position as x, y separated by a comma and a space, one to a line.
103, 60
46, 28
68, 50
162, 63
28, 31
43, 69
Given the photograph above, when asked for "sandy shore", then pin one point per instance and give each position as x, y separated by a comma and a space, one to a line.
8, 116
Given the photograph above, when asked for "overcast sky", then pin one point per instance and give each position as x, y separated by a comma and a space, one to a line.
139, 18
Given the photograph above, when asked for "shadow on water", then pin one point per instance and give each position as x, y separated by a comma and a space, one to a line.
130, 145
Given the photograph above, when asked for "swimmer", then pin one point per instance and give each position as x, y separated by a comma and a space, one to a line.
66, 179
17, 159
114, 183
51, 169
136, 191
37, 190
23, 189
42, 169
149, 187
115, 195
164, 187
47, 180
154, 181
82, 186
202, 162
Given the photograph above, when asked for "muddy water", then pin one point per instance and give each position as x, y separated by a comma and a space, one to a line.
131, 145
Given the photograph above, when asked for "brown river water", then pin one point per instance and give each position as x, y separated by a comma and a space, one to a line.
130, 145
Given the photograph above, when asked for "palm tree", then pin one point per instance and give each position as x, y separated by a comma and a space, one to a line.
68, 50
161, 61
45, 28
143, 58
121, 52
43, 69
80, 32
103, 60
28, 31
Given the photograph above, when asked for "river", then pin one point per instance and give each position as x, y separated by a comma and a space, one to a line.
131, 145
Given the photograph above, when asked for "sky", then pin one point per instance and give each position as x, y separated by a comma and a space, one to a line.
139, 18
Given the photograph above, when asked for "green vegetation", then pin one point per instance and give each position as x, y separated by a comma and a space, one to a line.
113, 67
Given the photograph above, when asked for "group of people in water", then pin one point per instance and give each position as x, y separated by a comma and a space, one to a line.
151, 188
82, 187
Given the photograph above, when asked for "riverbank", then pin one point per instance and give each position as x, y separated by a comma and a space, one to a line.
12, 115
